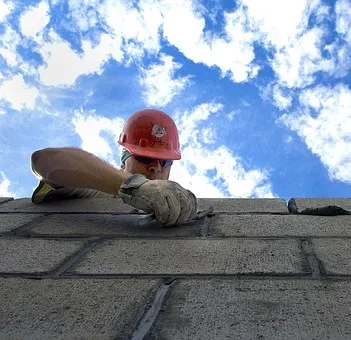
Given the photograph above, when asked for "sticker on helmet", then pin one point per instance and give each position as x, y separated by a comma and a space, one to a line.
158, 131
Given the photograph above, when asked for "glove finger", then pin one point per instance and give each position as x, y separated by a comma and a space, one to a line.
188, 205
165, 210
160, 209
142, 202
193, 205
185, 212
174, 209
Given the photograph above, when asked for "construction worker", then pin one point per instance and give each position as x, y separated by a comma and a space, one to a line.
150, 144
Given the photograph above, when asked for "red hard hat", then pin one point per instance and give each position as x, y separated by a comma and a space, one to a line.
151, 133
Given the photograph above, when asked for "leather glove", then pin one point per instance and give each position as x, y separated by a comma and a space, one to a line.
170, 202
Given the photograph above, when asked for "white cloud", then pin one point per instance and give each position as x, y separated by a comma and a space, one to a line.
94, 130
233, 53
133, 31
187, 122
8, 43
35, 19
288, 140
209, 135
9, 56
64, 66
280, 99
297, 50
340, 48
5, 184
138, 31
343, 19
229, 178
6, 8
213, 172
324, 123
160, 83
297, 64
84, 13
279, 22
18, 93
232, 114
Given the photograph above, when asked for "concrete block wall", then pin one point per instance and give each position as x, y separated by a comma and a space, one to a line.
87, 268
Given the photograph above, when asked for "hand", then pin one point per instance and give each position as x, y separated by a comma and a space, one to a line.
170, 202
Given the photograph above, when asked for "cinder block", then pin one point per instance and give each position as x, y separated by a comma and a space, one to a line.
109, 225
257, 309
244, 205
10, 222
203, 256
297, 205
34, 255
116, 205
280, 225
80, 205
5, 199
72, 309
335, 254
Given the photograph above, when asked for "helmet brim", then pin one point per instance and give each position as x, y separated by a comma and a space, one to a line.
153, 153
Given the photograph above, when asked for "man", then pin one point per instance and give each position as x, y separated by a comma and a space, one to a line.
151, 143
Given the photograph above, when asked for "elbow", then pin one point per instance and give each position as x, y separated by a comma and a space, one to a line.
40, 161
35, 158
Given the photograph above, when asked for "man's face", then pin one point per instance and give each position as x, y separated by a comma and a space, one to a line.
153, 170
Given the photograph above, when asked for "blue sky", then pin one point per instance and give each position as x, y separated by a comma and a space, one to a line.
260, 90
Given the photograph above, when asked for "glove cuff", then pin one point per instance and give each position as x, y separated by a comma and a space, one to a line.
134, 182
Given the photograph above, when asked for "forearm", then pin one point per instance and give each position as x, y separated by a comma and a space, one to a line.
76, 168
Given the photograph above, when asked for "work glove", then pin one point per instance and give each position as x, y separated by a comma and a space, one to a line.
170, 202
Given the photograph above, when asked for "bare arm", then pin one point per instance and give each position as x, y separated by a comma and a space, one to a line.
76, 168
171, 203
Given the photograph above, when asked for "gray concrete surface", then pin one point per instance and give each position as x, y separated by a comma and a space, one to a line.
13, 221
244, 205
334, 254
87, 205
280, 225
34, 256
229, 256
310, 203
109, 225
5, 199
85, 269
72, 309
256, 309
